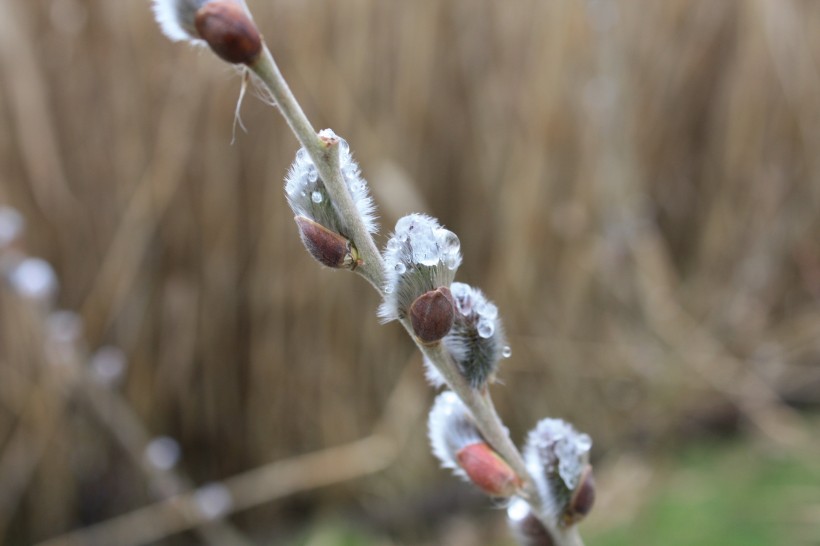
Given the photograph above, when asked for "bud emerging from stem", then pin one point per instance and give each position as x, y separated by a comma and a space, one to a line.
557, 457
476, 341
459, 445
488, 471
308, 197
420, 256
229, 31
432, 315
328, 247
225, 25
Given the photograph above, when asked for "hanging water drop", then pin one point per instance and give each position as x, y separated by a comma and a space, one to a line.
400, 268
344, 147
506, 352
448, 241
313, 175
486, 329
316, 197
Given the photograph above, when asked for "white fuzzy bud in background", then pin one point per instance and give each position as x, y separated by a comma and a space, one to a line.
163, 452
213, 500
307, 196
476, 341
557, 457
108, 365
34, 278
458, 444
64, 327
419, 257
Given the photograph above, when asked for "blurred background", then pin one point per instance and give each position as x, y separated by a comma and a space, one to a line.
635, 184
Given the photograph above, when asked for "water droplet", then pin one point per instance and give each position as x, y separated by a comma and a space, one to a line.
163, 452
460, 290
506, 352
393, 244
486, 328
388, 289
313, 175
302, 155
425, 249
404, 224
448, 241
583, 442
344, 147
316, 196
400, 268
465, 305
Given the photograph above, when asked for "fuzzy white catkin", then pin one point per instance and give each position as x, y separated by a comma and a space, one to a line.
556, 455
476, 341
307, 196
420, 256
451, 428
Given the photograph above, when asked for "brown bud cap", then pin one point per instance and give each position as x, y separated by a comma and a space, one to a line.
488, 471
582, 498
432, 314
327, 246
227, 28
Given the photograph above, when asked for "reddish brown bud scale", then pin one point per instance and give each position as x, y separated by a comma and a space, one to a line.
328, 247
229, 31
488, 471
582, 498
432, 314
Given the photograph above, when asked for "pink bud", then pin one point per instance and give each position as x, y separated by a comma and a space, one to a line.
488, 471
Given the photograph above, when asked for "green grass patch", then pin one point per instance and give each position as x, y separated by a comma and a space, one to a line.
728, 494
